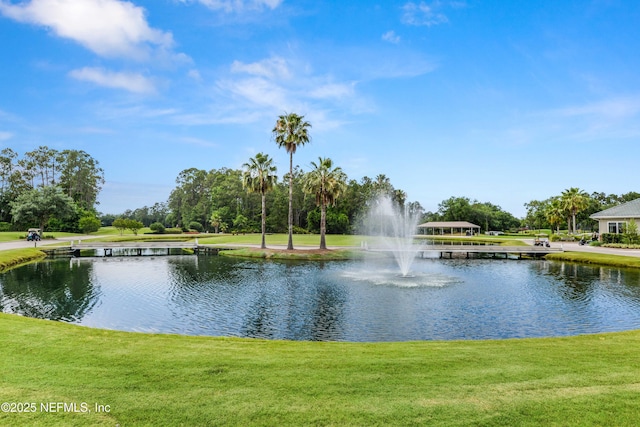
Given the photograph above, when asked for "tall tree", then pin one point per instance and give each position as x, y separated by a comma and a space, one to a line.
260, 177
536, 213
81, 177
291, 131
10, 182
327, 183
41, 204
455, 209
574, 200
44, 163
191, 200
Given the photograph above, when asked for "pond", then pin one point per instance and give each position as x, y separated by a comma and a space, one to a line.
332, 301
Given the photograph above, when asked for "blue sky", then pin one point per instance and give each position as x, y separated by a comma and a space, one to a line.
499, 101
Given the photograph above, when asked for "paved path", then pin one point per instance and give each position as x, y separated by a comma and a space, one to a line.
19, 244
575, 247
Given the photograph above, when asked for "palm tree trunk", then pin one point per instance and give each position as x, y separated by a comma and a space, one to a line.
323, 226
263, 245
290, 243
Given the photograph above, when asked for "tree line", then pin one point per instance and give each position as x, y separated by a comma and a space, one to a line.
58, 190
216, 200
484, 214
50, 189
324, 200
255, 199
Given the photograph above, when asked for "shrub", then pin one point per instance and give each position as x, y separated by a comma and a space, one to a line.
195, 225
300, 230
89, 224
157, 227
173, 230
621, 246
611, 238
5, 226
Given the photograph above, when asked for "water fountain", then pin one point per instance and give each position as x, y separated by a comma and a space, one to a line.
395, 227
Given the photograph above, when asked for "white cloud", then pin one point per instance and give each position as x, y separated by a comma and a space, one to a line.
283, 84
131, 82
236, 5
272, 68
257, 91
613, 118
333, 90
391, 37
198, 142
110, 28
195, 75
5, 136
424, 14
272, 85
617, 108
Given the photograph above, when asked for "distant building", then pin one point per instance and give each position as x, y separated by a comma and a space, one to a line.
615, 219
448, 227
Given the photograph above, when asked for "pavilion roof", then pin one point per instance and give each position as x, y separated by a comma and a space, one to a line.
626, 210
448, 224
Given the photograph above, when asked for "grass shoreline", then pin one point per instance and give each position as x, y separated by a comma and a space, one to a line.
620, 261
16, 257
150, 379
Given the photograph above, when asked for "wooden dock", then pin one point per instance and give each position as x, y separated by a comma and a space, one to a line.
495, 251
135, 248
141, 248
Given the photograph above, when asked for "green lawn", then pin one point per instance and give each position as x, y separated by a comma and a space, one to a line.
8, 236
302, 255
281, 239
171, 380
595, 258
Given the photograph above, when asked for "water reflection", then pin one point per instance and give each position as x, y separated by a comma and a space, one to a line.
256, 299
49, 290
339, 301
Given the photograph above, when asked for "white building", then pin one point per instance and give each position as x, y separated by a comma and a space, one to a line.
615, 219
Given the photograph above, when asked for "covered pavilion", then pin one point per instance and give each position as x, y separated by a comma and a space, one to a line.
448, 227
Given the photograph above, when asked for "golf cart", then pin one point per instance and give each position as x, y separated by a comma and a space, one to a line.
541, 241
33, 234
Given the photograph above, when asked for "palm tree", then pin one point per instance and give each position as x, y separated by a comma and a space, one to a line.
259, 177
400, 197
327, 183
290, 132
574, 200
554, 213
215, 220
382, 185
